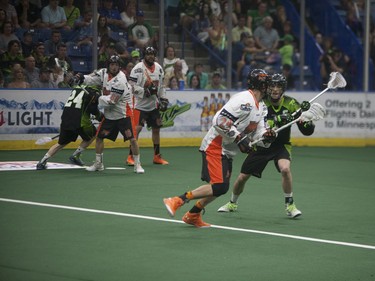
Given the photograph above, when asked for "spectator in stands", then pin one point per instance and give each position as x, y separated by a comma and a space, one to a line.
215, 82
170, 59
105, 52
135, 56
203, 76
188, 9
319, 39
1, 80
140, 33
52, 43
11, 12
128, 15
6, 35
177, 72
279, 18
215, 8
60, 60
65, 84
53, 16
11, 56
113, 16
128, 68
27, 44
39, 54
72, 13
103, 29
18, 79
287, 50
31, 71
266, 37
240, 28
84, 27
225, 17
354, 23
194, 82
217, 34
28, 15
172, 83
3, 18
255, 17
201, 23
287, 72
335, 61
43, 81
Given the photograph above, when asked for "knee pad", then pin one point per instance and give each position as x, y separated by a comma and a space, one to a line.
219, 189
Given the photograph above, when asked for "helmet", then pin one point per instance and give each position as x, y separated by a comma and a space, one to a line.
258, 79
277, 80
114, 59
149, 51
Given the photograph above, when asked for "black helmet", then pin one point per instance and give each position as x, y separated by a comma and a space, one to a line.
149, 51
258, 79
114, 59
279, 81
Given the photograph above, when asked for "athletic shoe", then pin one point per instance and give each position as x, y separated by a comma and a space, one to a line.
138, 169
229, 207
130, 160
159, 160
173, 204
97, 166
76, 160
41, 166
195, 219
292, 211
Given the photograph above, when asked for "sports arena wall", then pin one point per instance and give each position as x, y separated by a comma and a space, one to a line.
27, 115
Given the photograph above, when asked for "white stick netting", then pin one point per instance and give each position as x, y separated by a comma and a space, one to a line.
336, 81
315, 113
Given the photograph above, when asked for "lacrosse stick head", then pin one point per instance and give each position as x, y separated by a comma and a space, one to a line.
316, 112
336, 80
43, 140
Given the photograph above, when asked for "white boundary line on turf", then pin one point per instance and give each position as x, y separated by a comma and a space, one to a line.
177, 221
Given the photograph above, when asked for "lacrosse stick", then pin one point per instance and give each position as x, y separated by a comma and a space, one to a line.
336, 81
45, 140
316, 112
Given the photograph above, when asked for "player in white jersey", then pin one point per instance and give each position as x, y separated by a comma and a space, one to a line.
116, 103
241, 119
146, 78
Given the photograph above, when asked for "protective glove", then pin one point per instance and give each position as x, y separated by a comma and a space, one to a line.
163, 105
151, 90
305, 105
76, 80
243, 142
283, 119
269, 136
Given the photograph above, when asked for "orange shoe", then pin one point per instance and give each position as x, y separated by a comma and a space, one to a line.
130, 160
195, 219
159, 160
173, 204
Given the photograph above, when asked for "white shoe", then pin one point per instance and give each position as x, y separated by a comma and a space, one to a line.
229, 207
292, 211
97, 166
138, 169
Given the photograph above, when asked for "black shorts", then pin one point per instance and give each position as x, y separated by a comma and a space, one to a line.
109, 129
216, 168
256, 161
152, 118
68, 136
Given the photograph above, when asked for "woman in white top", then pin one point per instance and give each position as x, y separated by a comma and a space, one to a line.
170, 59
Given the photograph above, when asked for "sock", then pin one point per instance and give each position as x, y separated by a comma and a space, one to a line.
45, 158
78, 151
130, 151
136, 159
288, 198
156, 149
234, 198
197, 208
99, 157
187, 196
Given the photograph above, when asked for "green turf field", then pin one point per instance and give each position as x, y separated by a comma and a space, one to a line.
112, 225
